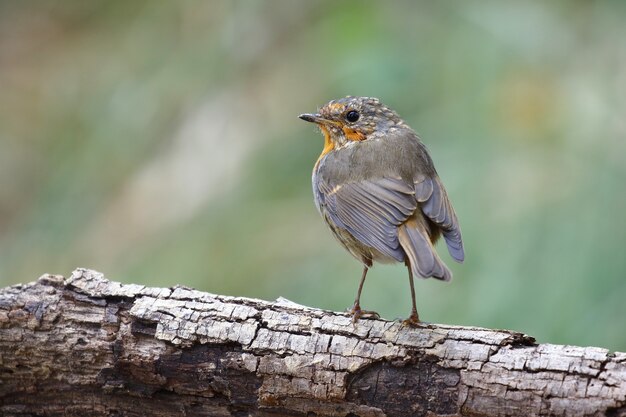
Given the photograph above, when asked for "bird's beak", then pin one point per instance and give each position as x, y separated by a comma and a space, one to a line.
314, 118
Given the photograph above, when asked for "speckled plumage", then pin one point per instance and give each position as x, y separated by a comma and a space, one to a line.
376, 187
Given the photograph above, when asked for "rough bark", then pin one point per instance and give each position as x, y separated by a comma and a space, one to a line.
88, 346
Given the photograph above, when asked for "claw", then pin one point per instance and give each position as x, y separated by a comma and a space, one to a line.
356, 313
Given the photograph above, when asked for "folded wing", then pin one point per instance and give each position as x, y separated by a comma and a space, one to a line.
371, 211
381, 213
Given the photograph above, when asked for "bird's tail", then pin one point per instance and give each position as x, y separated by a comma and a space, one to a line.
422, 257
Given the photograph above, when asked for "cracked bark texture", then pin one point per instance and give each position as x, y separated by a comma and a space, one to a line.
88, 346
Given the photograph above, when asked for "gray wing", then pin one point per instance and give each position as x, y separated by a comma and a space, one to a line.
371, 210
435, 204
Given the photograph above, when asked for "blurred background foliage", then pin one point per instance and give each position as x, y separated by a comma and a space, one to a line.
159, 143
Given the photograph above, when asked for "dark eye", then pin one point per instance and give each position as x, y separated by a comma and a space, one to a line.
352, 116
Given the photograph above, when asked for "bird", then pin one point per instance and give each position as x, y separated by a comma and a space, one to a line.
377, 189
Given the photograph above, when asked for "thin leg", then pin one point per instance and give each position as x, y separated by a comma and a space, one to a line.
414, 318
358, 294
356, 311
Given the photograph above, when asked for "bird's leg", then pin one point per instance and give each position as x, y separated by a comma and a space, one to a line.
414, 318
356, 311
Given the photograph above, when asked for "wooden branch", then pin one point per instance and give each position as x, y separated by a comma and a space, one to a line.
88, 346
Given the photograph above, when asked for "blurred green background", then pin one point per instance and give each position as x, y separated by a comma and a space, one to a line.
158, 142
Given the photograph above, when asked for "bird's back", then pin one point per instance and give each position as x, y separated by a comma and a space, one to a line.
398, 154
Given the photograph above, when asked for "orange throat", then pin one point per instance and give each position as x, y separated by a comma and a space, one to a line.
329, 145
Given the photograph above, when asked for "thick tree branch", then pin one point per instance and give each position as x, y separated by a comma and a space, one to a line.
88, 346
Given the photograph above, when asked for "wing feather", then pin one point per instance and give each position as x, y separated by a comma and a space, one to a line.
437, 207
371, 211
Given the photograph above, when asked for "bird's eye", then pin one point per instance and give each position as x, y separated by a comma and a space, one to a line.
352, 116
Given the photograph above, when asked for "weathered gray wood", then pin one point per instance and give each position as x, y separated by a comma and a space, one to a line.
88, 346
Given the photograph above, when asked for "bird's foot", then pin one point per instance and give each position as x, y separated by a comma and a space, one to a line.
413, 320
356, 312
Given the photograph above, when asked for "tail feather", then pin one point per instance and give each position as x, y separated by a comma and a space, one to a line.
423, 259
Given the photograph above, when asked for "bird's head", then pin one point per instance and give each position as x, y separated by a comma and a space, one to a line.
351, 119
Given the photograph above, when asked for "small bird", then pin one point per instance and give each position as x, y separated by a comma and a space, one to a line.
376, 187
